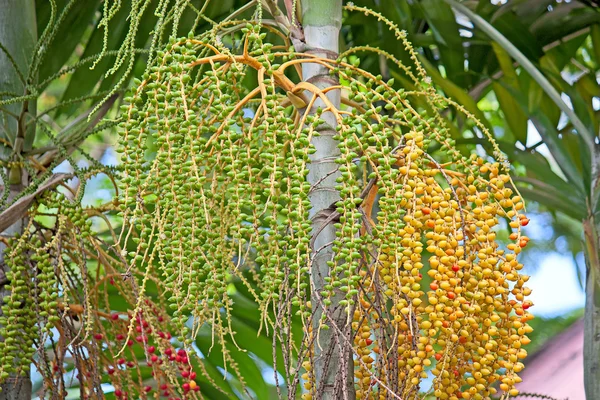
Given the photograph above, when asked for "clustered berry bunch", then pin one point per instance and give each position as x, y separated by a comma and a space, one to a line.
216, 144
215, 188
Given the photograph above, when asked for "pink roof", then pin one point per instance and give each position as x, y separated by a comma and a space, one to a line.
556, 369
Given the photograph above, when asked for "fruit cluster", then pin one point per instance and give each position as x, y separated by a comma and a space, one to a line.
215, 182
215, 190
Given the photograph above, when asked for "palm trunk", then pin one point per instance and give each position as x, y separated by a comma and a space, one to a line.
18, 34
321, 20
591, 346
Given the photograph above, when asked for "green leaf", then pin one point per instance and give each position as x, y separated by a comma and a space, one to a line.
445, 29
398, 11
248, 370
515, 117
558, 57
560, 153
506, 64
549, 134
516, 31
595, 34
261, 346
527, 11
588, 88
543, 179
507, 8
537, 99
548, 196
525, 62
563, 20
584, 110
481, 61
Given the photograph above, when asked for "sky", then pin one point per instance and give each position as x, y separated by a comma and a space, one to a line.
555, 287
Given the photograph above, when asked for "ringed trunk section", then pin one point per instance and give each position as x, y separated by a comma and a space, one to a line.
591, 345
333, 371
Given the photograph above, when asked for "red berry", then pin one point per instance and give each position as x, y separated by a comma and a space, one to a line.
163, 386
130, 364
147, 388
111, 371
368, 342
154, 358
192, 375
181, 352
186, 387
185, 374
151, 349
115, 317
524, 221
169, 351
455, 268
118, 393
98, 336
121, 361
120, 336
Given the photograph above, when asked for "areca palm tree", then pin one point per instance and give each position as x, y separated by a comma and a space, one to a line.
537, 59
